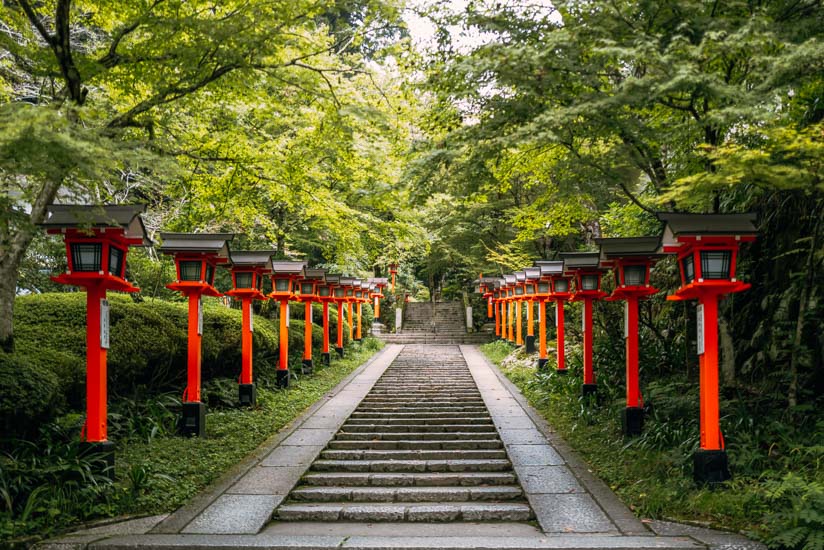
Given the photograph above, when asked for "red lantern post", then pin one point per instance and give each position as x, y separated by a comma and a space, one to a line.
308, 294
520, 292
249, 268
326, 295
549, 270
393, 271
533, 275
343, 296
284, 277
97, 241
196, 256
631, 260
707, 248
358, 300
511, 281
585, 268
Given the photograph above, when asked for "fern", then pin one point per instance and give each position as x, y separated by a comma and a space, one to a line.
798, 520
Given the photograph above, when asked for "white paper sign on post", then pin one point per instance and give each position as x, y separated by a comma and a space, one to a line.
557, 305
398, 319
468, 317
699, 317
104, 323
288, 316
200, 316
251, 319
626, 319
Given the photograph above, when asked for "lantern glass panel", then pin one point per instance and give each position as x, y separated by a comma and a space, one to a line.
358, 294
543, 288
339, 293
282, 285
589, 282
530, 288
561, 285
190, 270
715, 264
349, 292
307, 288
324, 291
115, 261
688, 265
210, 273
635, 275
243, 280
519, 291
86, 256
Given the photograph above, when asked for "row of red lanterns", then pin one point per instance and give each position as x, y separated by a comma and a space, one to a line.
706, 246
97, 240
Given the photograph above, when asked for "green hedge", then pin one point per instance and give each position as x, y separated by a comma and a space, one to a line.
45, 377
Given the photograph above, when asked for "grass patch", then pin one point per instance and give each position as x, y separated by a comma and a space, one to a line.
159, 473
652, 474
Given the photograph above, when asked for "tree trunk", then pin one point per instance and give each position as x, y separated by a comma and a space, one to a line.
727, 352
8, 285
13, 245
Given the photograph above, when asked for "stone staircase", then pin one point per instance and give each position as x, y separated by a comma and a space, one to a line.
435, 323
420, 447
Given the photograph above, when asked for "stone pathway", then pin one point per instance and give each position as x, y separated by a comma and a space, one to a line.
424, 447
421, 446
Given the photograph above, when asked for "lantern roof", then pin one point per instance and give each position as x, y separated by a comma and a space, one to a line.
520, 276
125, 216
347, 281
357, 283
706, 224
332, 278
621, 247
532, 273
284, 267
581, 260
550, 267
209, 243
313, 274
251, 258
510, 279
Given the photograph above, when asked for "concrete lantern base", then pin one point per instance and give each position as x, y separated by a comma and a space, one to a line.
340, 352
102, 454
632, 421
326, 359
247, 395
530, 344
542, 363
308, 366
193, 419
282, 380
589, 389
710, 467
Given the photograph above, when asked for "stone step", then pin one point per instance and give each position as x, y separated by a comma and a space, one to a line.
442, 479
441, 409
416, 428
433, 415
410, 436
417, 421
402, 511
422, 445
457, 465
406, 494
408, 454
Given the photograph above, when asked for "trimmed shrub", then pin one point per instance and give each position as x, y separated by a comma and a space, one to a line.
30, 393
